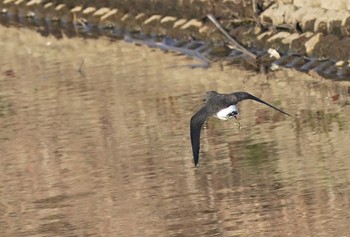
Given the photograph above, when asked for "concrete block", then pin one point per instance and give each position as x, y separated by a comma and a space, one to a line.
264, 36
109, 14
301, 3
284, 2
168, 18
308, 20
279, 35
333, 4
331, 21
154, 18
307, 3
278, 14
192, 23
288, 13
179, 23
300, 13
102, 11
345, 28
89, 10
290, 38
275, 41
310, 44
336, 20
298, 44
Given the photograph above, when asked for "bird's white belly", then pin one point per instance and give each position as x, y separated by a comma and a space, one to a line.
223, 114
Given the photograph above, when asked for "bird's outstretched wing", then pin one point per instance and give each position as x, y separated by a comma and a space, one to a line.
246, 96
197, 121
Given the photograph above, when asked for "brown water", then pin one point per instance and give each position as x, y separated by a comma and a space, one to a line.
105, 151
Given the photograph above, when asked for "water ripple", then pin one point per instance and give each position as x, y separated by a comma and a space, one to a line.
103, 148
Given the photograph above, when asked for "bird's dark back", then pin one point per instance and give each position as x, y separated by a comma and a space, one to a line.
216, 102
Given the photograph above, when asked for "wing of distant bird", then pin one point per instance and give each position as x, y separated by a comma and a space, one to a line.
246, 96
197, 121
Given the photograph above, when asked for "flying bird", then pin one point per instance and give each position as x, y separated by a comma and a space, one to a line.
222, 106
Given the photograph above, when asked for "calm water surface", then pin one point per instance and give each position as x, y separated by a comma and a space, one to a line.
94, 141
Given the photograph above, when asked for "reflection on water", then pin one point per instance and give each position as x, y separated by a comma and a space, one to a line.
106, 152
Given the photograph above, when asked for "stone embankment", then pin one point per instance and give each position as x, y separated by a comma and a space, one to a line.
311, 36
324, 25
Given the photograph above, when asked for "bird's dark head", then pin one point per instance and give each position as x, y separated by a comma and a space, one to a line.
209, 94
